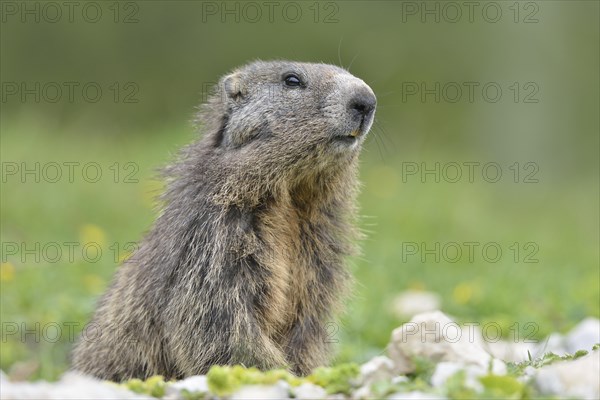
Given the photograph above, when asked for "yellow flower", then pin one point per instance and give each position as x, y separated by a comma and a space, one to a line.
7, 272
90, 233
463, 293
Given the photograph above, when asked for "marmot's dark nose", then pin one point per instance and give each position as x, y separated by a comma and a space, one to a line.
363, 102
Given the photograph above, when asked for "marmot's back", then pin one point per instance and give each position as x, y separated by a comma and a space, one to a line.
245, 264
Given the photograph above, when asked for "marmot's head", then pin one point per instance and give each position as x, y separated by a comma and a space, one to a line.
287, 120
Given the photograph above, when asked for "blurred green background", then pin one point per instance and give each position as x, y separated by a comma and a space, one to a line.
153, 60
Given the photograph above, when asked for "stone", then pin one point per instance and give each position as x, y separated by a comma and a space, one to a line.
415, 395
578, 378
308, 391
511, 351
362, 393
528, 374
445, 370
412, 302
583, 336
555, 343
263, 392
72, 385
399, 379
377, 369
437, 338
193, 384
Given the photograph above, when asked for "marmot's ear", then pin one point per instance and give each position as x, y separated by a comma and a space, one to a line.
234, 87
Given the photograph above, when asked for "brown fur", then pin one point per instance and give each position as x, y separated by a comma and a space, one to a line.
245, 264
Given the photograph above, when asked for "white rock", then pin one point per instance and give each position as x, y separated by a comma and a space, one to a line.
579, 378
362, 393
529, 371
498, 367
528, 374
508, 351
511, 351
445, 370
308, 391
263, 392
71, 386
377, 369
436, 337
412, 302
193, 384
283, 385
585, 335
399, 379
416, 395
555, 343
582, 337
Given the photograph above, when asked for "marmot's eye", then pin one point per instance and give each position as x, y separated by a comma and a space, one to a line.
292, 80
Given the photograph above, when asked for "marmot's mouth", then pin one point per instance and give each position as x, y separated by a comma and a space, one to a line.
348, 139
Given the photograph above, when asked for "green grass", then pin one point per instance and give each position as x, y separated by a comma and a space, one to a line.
561, 218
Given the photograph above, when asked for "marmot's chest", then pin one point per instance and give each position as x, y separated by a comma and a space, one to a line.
289, 251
